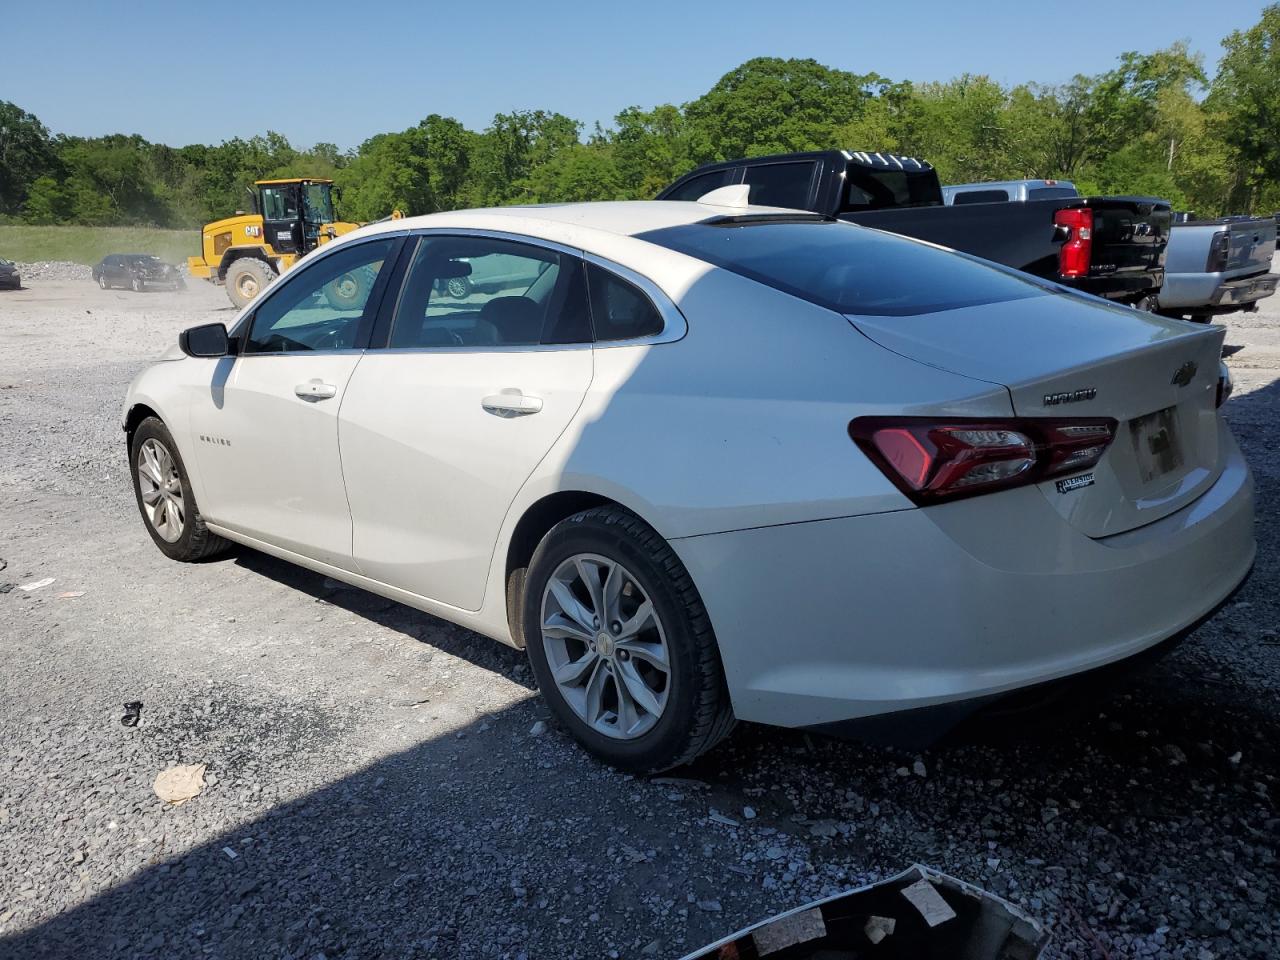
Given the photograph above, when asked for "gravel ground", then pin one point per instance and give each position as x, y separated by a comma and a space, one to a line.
379, 785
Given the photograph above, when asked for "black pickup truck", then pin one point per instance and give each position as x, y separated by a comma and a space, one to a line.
1112, 247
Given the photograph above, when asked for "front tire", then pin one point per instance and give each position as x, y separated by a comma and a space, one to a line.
246, 278
102, 281
621, 645
165, 498
138, 285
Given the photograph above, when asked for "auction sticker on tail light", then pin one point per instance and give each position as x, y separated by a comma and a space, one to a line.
1155, 443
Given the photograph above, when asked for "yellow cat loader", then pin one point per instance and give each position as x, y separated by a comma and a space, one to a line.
248, 251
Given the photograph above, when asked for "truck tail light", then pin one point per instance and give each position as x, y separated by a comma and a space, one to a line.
1076, 253
936, 460
1219, 252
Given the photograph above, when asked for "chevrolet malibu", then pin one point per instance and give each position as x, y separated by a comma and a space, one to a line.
710, 462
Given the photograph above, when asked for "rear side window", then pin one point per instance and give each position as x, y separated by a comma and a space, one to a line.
474, 292
699, 186
847, 268
780, 184
981, 196
619, 309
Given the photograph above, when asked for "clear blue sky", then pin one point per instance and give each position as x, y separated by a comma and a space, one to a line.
184, 72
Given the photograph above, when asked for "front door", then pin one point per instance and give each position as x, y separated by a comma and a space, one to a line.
441, 429
266, 435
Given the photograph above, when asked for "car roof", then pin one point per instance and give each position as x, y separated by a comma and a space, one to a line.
554, 221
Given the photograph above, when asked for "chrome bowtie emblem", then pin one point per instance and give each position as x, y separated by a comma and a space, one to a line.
1184, 374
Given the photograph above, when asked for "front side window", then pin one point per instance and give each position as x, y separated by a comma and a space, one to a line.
478, 292
780, 184
280, 203
326, 305
317, 202
847, 268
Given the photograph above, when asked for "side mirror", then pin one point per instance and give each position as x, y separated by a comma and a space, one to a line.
206, 340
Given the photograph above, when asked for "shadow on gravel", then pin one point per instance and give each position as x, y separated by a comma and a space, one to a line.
1145, 822
413, 624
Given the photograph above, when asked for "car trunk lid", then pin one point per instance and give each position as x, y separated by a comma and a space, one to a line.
1061, 356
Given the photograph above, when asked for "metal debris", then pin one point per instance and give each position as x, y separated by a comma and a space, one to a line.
926, 913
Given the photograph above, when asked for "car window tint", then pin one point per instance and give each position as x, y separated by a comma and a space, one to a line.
619, 309
848, 268
324, 305
980, 196
475, 292
699, 186
780, 184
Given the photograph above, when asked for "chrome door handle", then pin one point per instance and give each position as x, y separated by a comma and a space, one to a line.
513, 404
316, 390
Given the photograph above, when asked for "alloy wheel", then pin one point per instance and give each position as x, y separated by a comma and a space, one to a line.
605, 646
161, 490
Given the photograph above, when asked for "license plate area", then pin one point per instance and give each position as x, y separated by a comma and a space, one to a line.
1156, 445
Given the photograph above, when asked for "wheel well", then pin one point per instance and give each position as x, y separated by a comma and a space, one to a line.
533, 526
137, 413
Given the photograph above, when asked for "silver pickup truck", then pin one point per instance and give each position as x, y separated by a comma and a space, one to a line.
1218, 266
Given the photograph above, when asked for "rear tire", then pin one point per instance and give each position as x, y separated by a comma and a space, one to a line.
1200, 317
688, 709
246, 278
165, 498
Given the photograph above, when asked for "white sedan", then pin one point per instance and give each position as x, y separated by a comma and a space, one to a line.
708, 462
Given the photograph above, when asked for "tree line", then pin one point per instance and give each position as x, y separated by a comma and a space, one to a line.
1156, 124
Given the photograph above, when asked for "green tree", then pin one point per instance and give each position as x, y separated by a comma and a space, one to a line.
26, 154
1245, 95
771, 105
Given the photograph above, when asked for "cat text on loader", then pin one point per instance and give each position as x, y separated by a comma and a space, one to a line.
248, 251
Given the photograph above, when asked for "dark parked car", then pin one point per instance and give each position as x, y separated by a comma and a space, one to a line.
1112, 247
137, 271
9, 276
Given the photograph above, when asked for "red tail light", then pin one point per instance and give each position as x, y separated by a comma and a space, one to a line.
934, 460
1075, 254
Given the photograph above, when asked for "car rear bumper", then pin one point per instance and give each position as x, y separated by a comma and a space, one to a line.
1117, 286
1214, 292
830, 621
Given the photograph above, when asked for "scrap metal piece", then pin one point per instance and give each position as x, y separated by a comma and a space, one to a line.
918, 913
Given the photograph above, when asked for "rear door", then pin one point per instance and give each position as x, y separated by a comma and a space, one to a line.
442, 426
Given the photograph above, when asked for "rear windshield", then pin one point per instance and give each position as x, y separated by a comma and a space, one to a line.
875, 189
1051, 193
847, 268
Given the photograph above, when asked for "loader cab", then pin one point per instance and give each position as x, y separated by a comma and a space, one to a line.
294, 213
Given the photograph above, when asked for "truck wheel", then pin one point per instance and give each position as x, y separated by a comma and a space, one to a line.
351, 290
246, 278
138, 284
